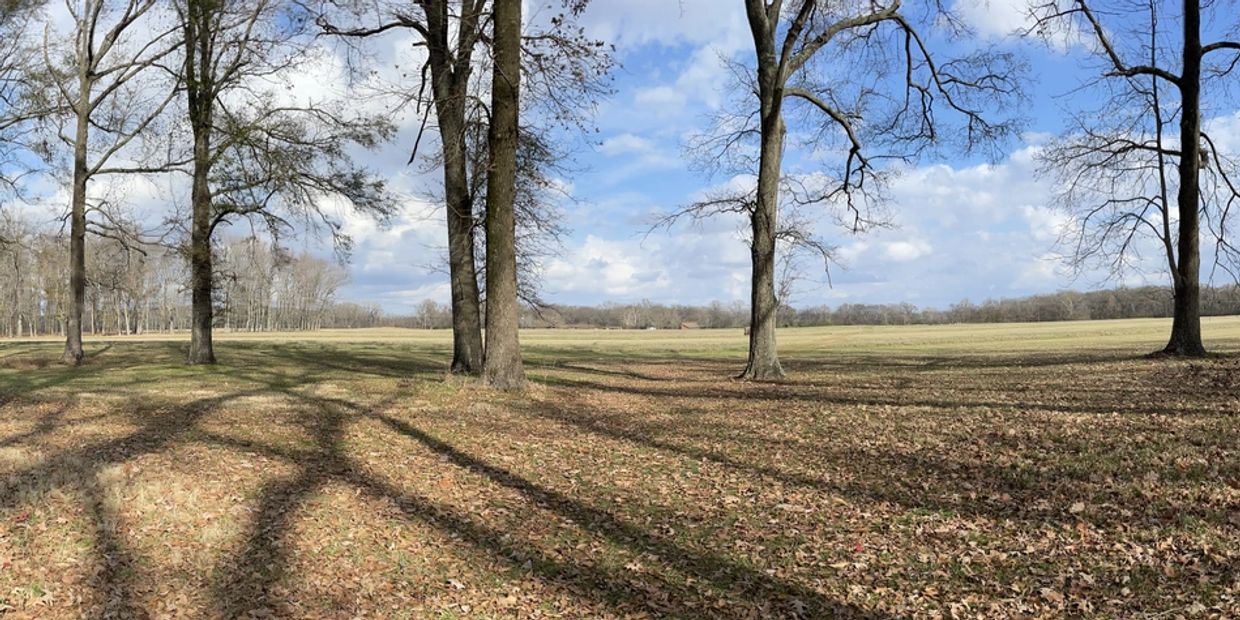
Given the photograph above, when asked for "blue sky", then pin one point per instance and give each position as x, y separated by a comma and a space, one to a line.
962, 227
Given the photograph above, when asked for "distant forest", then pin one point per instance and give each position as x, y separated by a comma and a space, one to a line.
264, 287
1121, 303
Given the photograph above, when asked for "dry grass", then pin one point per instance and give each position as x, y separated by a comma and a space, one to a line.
1009, 471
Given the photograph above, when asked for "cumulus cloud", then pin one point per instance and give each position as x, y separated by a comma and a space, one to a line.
626, 143
613, 268
994, 18
905, 251
1045, 224
634, 23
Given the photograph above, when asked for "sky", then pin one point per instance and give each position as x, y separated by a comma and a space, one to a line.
962, 227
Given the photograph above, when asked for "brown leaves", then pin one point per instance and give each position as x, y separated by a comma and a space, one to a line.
948, 486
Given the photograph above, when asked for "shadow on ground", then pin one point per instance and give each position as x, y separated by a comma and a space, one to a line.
998, 446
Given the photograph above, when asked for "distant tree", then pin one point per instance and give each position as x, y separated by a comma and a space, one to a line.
1122, 175
502, 367
15, 249
862, 75
253, 156
431, 315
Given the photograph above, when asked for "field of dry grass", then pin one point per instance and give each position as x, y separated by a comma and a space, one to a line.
963, 471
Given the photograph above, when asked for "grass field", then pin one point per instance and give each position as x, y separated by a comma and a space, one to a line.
999, 471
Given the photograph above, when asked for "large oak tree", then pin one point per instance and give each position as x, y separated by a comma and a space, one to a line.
255, 156
502, 367
868, 85
566, 72
1141, 165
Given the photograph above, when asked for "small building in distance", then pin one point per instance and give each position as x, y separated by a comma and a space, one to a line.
690, 325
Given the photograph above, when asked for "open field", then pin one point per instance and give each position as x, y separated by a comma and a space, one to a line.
960, 471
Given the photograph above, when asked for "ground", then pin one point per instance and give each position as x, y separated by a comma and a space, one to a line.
962, 471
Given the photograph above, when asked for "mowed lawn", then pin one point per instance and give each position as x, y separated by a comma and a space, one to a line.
1000, 471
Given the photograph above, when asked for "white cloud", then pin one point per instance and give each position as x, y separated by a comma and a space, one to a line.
626, 143
994, 18
1045, 224
663, 98
633, 23
905, 251
610, 268
1043, 273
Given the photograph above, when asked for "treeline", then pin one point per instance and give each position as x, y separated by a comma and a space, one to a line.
1123, 303
141, 288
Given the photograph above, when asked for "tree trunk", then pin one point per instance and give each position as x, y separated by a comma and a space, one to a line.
1186, 324
201, 348
450, 75
200, 101
763, 364
466, 316
17, 292
502, 366
77, 228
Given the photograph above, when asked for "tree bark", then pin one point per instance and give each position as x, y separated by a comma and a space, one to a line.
466, 314
201, 347
763, 363
200, 101
77, 217
502, 366
1186, 324
450, 75
463, 274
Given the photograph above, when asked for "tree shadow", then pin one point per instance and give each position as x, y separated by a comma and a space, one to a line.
821, 394
48, 423
398, 364
626, 373
78, 468
919, 480
244, 581
113, 561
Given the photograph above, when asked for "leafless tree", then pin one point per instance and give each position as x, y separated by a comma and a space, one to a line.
861, 80
253, 156
20, 99
451, 33
502, 367
1124, 179
264, 287
107, 89
564, 71
140, 287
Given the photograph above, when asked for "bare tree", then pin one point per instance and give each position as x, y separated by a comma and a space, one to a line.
264, 287
1119, 166
254, 157
20, 102
807, 59
102, 88
565, 71
450, 32
502, 367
